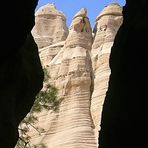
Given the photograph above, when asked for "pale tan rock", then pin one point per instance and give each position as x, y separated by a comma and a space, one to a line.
107, 25
71, 72
79, 68
50, 26
81, 13
80, 31
49, 52
113, 9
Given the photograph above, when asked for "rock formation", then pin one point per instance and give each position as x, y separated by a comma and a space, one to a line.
49, 52
79, 68
71, 73
124, 118
107, 24
21, 74
50, 26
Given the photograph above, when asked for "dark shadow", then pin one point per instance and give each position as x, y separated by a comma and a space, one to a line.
124, 118
21, 74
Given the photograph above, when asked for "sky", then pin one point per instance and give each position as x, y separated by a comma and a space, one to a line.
71, 7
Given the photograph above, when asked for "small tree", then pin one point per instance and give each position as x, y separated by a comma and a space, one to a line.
46, 99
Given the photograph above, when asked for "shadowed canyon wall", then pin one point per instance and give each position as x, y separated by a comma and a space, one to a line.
124, 118
21, 74
79, 67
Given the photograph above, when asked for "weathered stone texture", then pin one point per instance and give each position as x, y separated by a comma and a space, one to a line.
71, 73
50, 26
107, 24
79, 68
80, 31
49, 52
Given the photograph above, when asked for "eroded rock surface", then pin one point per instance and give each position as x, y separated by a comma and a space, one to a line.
71, 73
79, 68
107, 25
49, 52
50, 26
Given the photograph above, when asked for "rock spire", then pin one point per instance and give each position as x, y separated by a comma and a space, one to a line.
50, 26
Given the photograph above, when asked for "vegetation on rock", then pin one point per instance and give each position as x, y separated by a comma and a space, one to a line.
46, 99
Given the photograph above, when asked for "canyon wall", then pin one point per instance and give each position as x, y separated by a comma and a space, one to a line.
78, 66
21, 74
107, 25
124, 118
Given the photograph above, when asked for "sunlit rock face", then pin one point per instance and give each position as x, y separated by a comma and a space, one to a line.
80, 31
79, 68
107, 25
49, 52
50, 26
71, 72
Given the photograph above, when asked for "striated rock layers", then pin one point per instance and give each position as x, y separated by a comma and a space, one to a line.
71, 73
124, 117
50, 26
79, 68
107, 24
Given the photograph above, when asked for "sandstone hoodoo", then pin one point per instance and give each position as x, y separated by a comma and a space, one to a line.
50, 26
78, 67
71, 73
106, 27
